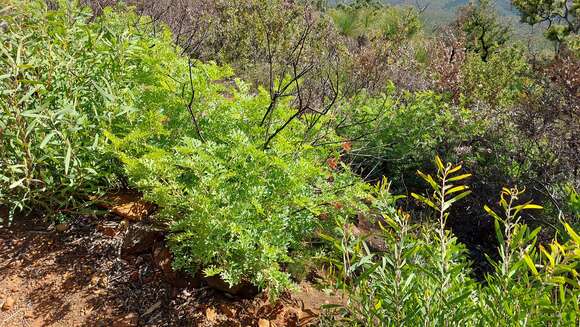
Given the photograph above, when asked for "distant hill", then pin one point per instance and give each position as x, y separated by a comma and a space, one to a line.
438, 13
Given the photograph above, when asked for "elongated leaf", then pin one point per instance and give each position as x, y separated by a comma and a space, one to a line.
528, 206
498, 232
572, 233
46, 139
455, 199
548, 255
429, 179
457, 189
424, 200
439, 163
67, 159
104, 93
458, 178
455, 169
534, 233
459, 298
492, 213
530, 264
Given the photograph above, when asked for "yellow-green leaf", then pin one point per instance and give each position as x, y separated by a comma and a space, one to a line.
457, 189
424, 200
572, 233
458, 178
439, 163
530, 264
454, 169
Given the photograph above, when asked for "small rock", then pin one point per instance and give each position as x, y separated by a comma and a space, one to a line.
61, 227
140, 238
263, 323
8, 303
109, 229
127, 205
162, 258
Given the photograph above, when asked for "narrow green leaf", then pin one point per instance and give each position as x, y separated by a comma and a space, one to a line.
457, 189
424, 200
492, 213
67, 159
46, 139
498, 231
458, 178
429, 179
455, 169
534, 233
530, 264
459, 298
455, 199
528, 206
439, 163
572, 233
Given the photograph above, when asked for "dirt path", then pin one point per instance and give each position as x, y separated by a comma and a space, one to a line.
77, 277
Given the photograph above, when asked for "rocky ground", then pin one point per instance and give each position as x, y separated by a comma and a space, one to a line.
115, 272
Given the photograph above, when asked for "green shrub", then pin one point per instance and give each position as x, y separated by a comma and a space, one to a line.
499, 80
423, 278
64, 81
80, 94
234, 209
394, 135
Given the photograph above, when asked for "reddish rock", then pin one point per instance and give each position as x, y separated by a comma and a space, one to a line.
127, 205
61, 228
162, 258
140, 238
110, 229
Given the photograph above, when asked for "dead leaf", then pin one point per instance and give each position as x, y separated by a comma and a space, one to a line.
153, 308
210, 314
346, 146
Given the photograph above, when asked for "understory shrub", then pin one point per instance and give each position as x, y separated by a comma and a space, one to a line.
64, 82
395, 134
